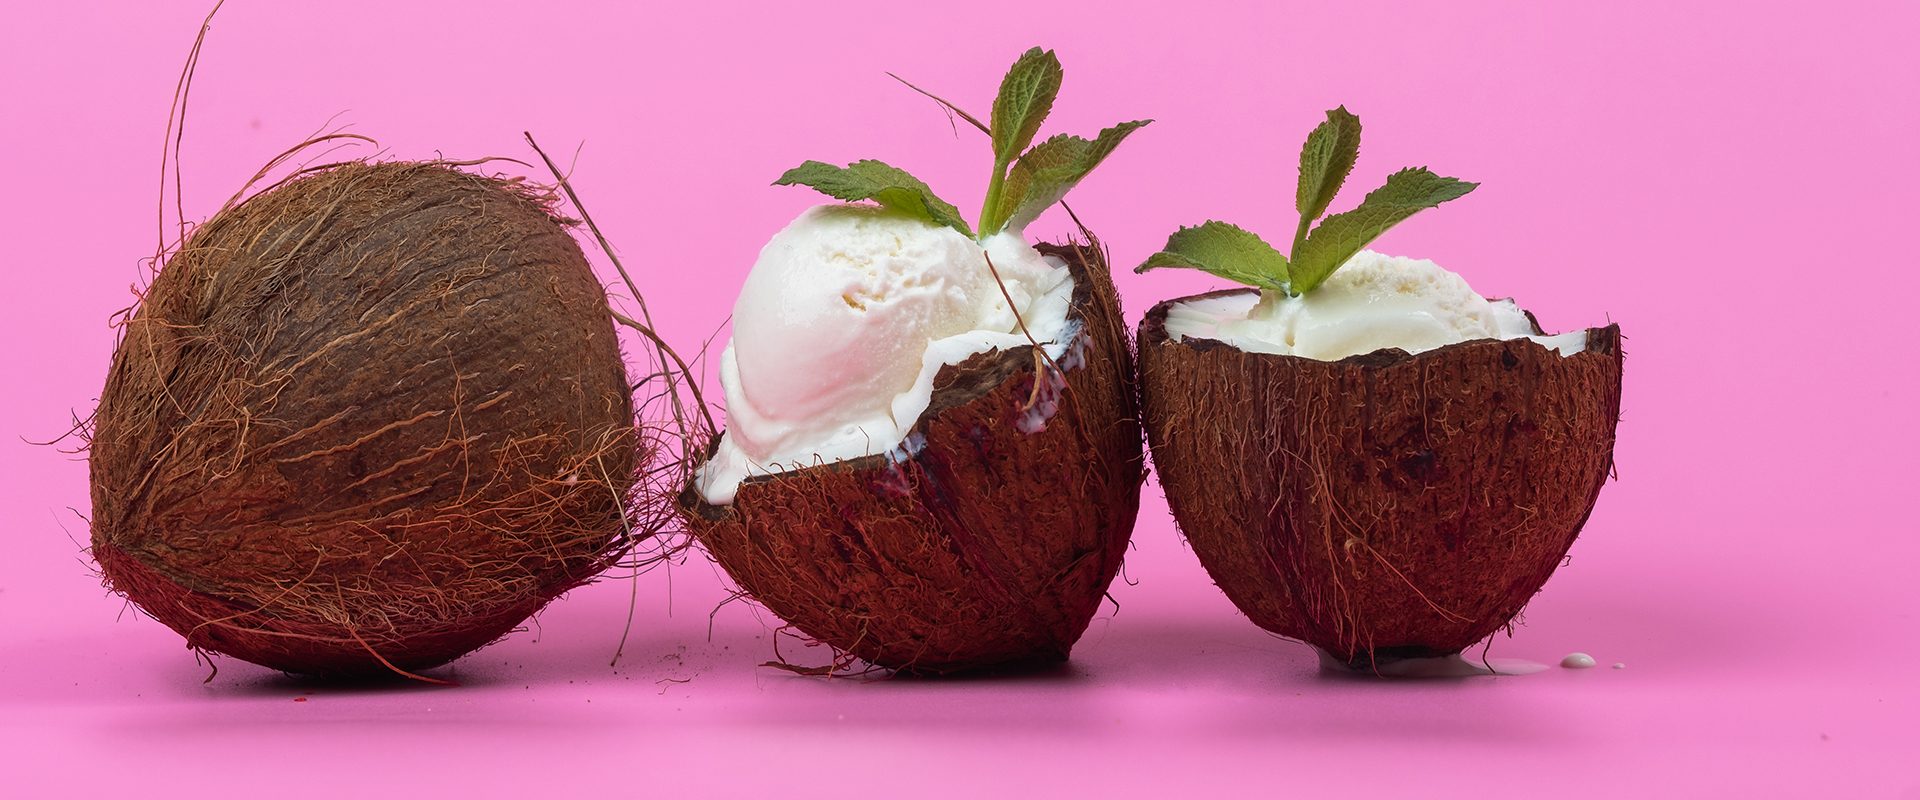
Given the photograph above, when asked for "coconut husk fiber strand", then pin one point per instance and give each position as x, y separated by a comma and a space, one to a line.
366, 420
1385, 505
987, 546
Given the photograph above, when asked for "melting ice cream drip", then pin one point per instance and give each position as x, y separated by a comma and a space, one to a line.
1052, 379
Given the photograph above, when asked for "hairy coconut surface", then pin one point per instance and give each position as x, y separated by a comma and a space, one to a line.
369, 419
1385, 505
987, 542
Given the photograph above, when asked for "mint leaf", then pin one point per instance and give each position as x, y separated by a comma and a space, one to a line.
1224, 250
1325, 161
872, 180
1047, 172
1026, 97
1339, 236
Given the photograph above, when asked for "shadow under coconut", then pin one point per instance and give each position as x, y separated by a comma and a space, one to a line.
1242, 657
1053, 702
509, 685
1186, 653
1173, 653
1049, 697
526, 658
1226, 677
1034, 672
1189, 679
258, 682
330, 717
1039, 673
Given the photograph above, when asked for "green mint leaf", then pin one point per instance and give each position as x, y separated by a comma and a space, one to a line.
1047, 172
872, 180
1325, 161
1026, 97
1224, 250
1049, 169
1338, 237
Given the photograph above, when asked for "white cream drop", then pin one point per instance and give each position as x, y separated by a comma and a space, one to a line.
1577, 661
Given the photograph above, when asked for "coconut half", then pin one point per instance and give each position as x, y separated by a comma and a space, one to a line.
1384, 505
987, 540
367, 420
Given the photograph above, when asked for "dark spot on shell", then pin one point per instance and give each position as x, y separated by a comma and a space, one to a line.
982, 441
1418, 465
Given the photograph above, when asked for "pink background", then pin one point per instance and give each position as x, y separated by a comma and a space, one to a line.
1735, 185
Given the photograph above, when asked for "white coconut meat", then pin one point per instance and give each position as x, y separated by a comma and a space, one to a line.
843, 323
1372, 302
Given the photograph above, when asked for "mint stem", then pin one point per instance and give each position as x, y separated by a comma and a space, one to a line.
987, 222
1299, 240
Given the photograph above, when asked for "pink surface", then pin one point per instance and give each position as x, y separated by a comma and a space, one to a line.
1734, 185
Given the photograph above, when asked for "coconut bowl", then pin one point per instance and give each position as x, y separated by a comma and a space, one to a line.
988, 539
1386, 505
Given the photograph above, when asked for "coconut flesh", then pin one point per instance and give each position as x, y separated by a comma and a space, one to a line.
1388, 467
901, 478
367, 420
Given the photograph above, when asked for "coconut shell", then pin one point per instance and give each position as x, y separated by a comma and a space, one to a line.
1384, 505
367, 420
989, 545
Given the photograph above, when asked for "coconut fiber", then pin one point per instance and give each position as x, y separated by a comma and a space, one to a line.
369, 419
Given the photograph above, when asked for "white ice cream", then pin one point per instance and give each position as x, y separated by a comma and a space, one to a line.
843, 323
1372, 302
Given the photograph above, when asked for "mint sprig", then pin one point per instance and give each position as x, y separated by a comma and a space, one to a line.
1027, 178
1326, 160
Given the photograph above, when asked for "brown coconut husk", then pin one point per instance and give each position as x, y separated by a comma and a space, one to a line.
989, 546
367, 420
1385, 505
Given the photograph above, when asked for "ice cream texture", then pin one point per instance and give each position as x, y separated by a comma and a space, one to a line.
1372, 302
845, 319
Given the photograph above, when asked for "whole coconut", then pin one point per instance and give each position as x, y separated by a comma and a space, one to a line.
367, 420
1386, 505
989, 541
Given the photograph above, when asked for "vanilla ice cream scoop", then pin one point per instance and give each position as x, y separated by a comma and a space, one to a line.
1372, 302
840, 305
842, 323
